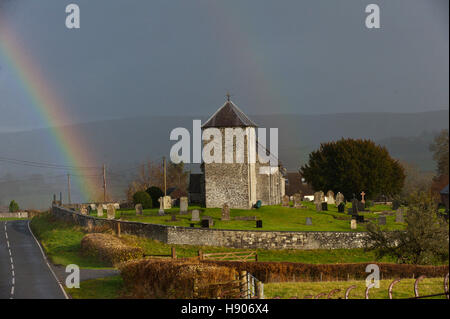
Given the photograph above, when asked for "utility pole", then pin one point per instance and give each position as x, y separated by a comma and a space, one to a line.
68, 188
104, 183
164, 168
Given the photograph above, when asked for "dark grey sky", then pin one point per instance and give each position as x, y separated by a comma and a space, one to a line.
180, 57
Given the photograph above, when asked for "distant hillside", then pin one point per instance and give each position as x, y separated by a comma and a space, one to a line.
126, 142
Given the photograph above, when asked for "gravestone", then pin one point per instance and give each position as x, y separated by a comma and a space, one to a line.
363, 200
308, 221
245, 218
339, 198
83, 210
354, 206
399, 216
195, 216
297, 200
330, 198
110, 211
116, 206
324, 206
173, 217
100, 210
285, 201
259, 223
207, 221
225, 212
183, 205
92, 207
361, 206
341, 207
139, 210
161, 206
318, 201
353, 224
165, 202
359, 218
382, 220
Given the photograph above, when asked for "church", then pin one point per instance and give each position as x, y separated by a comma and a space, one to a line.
239, 184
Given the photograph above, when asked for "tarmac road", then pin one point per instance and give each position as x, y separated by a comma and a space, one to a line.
24, 270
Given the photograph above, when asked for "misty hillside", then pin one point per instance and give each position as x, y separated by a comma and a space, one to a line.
122, 144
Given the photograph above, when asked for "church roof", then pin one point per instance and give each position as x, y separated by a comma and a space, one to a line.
229, 115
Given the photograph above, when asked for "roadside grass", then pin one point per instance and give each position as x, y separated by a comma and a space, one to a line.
100, 288
274, 218
403, 289
61, 242
5, 219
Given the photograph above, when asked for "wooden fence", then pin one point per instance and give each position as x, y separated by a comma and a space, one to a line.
229, 256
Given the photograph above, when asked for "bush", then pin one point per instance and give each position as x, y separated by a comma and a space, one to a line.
108, 248
13, 207
142, 198
151, 278
155, 193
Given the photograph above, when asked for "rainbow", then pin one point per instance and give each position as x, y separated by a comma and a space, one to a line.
50, 108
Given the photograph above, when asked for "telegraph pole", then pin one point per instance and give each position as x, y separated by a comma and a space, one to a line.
104, 183
68, 188
164, 168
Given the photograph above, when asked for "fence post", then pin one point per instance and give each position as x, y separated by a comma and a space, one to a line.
200, 254
260, 290
243, 284
118, 229
256, 257
174, 253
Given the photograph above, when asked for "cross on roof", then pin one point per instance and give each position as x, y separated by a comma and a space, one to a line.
228, 96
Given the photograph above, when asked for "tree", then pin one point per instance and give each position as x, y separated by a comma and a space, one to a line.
415, 180
142, 198
440, 152
425, 240
350, 166
13, 207
155, 193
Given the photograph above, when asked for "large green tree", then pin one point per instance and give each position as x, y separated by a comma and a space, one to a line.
351, 166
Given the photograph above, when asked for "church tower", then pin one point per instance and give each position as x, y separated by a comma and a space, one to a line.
232, 182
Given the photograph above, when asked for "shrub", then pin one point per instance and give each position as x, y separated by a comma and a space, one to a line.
142, 198
13, 207
152, 278
155, 193
109, 248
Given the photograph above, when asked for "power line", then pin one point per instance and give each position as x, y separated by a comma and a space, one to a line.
45, 165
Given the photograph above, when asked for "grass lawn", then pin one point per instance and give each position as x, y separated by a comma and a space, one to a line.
273, 217
5, 219
61, 242
403, 289
101, 288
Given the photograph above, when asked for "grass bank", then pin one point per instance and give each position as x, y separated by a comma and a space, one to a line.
101, 288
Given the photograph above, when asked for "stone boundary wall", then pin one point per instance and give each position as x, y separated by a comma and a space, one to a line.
219, 237
14, 215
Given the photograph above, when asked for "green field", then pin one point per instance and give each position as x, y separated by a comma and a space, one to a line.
403, 289
273, 217
112, 288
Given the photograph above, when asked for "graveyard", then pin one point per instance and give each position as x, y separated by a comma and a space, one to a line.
274, 218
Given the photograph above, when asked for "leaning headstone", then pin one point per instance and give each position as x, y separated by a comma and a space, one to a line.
100, 210
399, 216
341, 207
308, 221
285, 201
318, 201
225, 212
139, 210
183, 205
110, 211
382, 220
339, 198
195, 216
353, 224
330, 198
297, 200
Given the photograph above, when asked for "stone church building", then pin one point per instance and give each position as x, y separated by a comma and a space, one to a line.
240, 184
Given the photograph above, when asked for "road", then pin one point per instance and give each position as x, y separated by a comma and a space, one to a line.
24, 271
